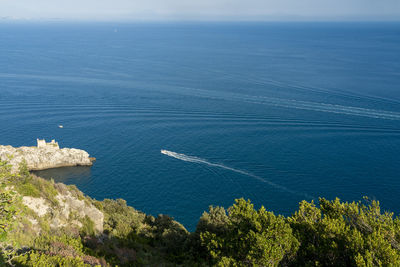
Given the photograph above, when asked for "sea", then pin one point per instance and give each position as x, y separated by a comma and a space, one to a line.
184, 115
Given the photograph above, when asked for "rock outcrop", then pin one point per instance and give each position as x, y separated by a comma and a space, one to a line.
44, 157
69, 204
61, 214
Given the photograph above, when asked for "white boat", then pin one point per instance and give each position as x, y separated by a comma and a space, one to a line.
60, 126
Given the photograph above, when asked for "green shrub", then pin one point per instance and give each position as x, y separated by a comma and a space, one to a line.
40, 259
23, 170
87, 227
5, 172
45, 242
7, 201
7, 211
121, 220
249, 237
37, 187
351, 234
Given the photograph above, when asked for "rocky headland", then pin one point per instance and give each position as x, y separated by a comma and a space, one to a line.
44, 156
44, 223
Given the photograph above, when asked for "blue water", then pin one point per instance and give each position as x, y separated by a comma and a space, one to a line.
274, 112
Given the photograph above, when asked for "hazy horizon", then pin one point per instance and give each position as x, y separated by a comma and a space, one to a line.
206, 10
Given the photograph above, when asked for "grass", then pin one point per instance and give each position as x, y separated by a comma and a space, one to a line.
33, 186
28, 189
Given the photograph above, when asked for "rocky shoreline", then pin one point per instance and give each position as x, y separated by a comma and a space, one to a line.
44, 156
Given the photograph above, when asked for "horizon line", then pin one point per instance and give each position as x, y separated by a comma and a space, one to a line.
205, 18
51, 20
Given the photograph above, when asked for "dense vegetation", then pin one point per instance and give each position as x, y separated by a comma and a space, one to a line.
333, 233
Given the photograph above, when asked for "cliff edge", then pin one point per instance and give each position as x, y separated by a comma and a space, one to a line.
44, 156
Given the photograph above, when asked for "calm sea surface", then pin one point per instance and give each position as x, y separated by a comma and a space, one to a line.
274, 112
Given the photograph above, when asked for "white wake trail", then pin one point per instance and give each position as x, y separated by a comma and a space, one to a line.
203, 161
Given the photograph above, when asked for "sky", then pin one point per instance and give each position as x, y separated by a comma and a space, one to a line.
257, 10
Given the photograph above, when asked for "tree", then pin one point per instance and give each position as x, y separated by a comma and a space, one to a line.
257, 238
345, 234
7, 212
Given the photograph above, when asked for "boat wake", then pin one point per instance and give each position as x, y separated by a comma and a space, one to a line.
227, 96
193, 159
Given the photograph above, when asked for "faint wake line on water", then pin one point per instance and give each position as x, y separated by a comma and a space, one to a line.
320, 90
227, 96
203, 161
291, 103
317, 106
330, 108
